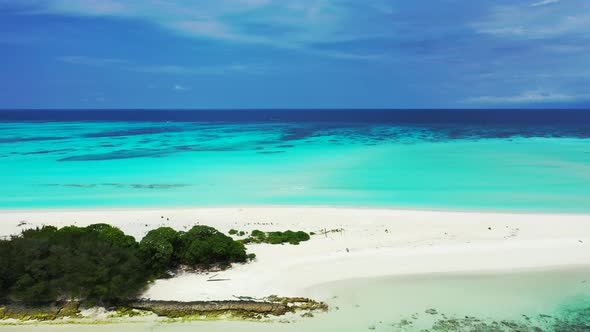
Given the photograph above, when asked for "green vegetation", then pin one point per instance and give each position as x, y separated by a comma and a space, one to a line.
100, 264
290, 237
157, 250
236, 232
204, 245
128, 312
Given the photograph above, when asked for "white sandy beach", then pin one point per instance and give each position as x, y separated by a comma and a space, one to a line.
373, 243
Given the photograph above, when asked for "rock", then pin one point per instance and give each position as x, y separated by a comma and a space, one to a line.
44, 312
249, 309
173, 309
274, 305
431, 311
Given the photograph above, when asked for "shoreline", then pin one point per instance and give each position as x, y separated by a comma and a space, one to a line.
468, 274
361, 243
402, 302
288, 206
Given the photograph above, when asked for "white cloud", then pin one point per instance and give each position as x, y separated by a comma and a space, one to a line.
178, 87
290, 24
90, 61
544, 3
529, 97
538, 20
514, 30
220, 69
87, 7
163, 69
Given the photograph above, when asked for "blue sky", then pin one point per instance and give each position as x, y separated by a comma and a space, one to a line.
294, 53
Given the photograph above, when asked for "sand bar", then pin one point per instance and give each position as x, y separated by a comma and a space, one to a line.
372, 243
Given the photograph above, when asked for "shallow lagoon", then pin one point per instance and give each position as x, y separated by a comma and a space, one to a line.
529, 301
129, 164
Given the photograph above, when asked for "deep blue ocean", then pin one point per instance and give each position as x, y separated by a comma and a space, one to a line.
506, 160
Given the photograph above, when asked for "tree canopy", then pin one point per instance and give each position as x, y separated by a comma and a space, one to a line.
205, 245
101, 264
50, 264
158, 248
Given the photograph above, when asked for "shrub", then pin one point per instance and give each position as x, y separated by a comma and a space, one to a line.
203, 245
236, 232
277, 237
82, 263
113, 235
6, 270
157, 249
258, 236
302, 236
100, 264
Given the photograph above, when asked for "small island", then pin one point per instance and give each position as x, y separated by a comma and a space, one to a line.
147, 267
49, 273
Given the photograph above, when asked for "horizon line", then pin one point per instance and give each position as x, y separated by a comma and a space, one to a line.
298, 109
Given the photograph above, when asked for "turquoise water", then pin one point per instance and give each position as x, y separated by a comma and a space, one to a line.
142, 164
523, 302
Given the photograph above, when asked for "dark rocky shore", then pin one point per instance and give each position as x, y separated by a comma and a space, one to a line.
42, 312
246, 309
